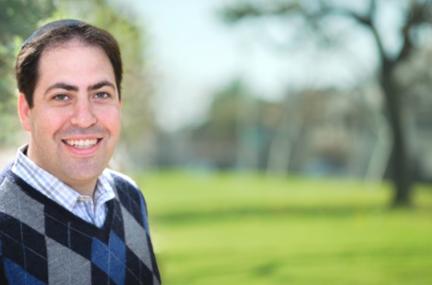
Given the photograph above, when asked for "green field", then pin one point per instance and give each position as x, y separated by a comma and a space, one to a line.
226, 229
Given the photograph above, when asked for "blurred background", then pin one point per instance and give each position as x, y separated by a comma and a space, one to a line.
276, 142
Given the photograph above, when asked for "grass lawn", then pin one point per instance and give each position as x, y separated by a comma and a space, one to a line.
227, 229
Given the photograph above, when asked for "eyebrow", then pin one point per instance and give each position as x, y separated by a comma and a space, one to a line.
100, 85
61, 85
69, 87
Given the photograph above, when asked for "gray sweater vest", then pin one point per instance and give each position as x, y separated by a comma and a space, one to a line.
43, 243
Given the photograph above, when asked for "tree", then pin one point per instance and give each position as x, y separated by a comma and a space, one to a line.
17, 20
218, 140
415, 20
237, 130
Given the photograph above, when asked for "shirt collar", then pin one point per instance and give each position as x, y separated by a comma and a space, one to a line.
54, 188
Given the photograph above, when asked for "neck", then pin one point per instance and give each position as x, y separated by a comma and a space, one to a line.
86, 189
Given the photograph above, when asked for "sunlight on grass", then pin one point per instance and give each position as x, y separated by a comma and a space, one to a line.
251, 229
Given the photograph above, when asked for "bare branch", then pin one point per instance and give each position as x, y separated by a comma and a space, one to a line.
365, 21
241, 11
419, 13
372, 8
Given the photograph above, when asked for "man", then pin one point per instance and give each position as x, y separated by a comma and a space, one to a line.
64, 217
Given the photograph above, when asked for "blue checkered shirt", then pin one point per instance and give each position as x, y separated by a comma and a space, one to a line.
91, 209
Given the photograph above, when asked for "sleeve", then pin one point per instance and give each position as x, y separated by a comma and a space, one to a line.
132, 197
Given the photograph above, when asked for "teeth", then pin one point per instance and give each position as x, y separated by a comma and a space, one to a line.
82, 143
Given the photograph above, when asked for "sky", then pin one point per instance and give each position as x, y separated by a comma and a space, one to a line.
194, 54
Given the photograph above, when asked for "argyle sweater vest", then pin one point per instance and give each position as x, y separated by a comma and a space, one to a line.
43, 243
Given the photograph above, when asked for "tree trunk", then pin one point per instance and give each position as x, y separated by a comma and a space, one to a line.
401, 162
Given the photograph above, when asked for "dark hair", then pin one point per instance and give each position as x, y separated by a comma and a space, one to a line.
58, 32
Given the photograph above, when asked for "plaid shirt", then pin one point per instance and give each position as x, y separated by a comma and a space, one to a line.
90, 209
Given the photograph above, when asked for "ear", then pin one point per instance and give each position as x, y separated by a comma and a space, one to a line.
24, 112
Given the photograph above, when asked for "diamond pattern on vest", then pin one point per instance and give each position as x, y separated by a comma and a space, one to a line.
43, 243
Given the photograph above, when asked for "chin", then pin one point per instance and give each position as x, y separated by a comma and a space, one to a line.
85, 173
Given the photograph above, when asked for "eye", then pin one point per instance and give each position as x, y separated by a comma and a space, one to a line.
61, 97
102, 95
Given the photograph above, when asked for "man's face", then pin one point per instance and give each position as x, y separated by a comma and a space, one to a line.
75, 119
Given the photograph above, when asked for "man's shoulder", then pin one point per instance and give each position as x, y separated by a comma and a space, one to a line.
130, 196
8, 187
117, 177
5, 172
17, 204
124, 185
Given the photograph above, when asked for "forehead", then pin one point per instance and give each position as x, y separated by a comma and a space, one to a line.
74, 59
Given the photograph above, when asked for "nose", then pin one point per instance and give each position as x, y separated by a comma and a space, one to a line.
83, 115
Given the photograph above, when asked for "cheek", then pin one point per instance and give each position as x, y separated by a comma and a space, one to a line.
49, 123
110, 119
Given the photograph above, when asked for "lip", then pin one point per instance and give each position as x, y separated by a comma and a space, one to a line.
82, 152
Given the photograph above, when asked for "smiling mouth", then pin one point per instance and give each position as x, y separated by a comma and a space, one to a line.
82, 143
